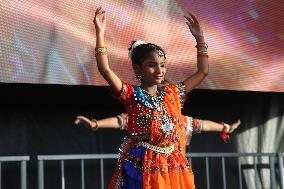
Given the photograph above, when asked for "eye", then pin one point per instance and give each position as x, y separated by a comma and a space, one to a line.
152, 65
162, 65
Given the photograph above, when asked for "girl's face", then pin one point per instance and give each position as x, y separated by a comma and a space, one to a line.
153, 69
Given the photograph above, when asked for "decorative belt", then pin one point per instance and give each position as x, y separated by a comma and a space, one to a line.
158, 149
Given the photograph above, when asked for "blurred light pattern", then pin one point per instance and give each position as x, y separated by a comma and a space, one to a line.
52, 42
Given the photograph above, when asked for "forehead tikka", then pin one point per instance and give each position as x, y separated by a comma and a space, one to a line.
161, 53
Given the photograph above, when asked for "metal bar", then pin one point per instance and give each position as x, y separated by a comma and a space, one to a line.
82, 175
272, 172
23, 168
62, 175
190, 162
255, 172
23, 175
77, 157
102, 173
224, 174
0, 175
14, 158
229, 154
101, 157
281, 171
207, 173
240, 173
40, 174
115, 156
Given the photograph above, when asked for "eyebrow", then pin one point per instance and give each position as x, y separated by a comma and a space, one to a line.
156, 62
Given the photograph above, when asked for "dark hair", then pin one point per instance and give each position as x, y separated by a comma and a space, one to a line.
142, 51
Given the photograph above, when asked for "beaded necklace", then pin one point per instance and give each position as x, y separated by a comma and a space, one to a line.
150, 101
155, 102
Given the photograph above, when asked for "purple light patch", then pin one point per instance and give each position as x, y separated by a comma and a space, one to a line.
254, 14
253, 39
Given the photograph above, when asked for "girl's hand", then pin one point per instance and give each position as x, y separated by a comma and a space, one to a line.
85, 121
194, 26
100, 21
232, 127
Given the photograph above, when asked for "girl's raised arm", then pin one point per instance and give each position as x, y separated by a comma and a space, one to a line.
101, 52
202, 57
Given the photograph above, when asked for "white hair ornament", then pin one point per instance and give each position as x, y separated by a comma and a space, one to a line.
134, 45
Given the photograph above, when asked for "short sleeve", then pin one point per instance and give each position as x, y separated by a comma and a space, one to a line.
123, 121
193, 126
189, 129
125, 94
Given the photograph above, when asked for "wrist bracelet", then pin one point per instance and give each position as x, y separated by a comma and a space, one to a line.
96, 126
224, 136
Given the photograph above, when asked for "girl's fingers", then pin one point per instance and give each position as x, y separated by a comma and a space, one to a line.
104, 18
189, 20
98, 10
84, 119
194, 18
189, 25
77, 121
80, 117
235, 125
101, 12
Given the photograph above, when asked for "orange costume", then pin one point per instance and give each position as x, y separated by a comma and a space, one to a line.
152, 156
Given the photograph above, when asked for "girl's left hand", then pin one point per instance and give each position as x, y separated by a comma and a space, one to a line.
194, 26
85, 121
100, 20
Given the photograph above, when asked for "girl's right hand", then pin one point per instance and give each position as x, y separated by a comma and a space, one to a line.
100, 21
85, 121
232, 127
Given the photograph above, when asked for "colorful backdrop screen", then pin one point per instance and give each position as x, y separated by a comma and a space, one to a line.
52, 42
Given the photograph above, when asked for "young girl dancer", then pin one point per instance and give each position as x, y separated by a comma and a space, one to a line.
151, 156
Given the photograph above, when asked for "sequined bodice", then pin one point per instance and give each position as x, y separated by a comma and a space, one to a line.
155, 119
154, 150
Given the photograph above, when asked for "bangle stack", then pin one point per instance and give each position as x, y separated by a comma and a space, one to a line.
202, 49
100, 50
224, 135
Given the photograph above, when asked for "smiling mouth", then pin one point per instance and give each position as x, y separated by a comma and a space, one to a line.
158, 77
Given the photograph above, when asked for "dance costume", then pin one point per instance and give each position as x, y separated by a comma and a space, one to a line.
152, 156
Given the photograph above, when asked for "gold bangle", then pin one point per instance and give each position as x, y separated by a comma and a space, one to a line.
202, 44
202, 51
203, 55
100, 53
101, 50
